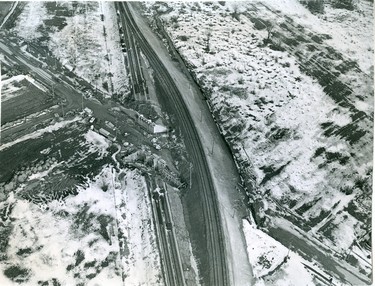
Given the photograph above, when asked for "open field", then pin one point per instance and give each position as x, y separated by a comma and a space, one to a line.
28, 100
64, 144
280, 92
4, 9
295, 107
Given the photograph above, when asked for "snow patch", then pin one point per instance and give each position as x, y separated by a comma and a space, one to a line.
97, 142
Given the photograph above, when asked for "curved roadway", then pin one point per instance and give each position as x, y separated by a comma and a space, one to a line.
215, 244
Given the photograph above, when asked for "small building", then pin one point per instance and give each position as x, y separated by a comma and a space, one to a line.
104, 132
150, 126
159, 129
147, 124
88, 111
110, 125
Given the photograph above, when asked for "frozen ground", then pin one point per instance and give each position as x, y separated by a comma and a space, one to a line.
74, 248
140, 257
276, 117
30, 21
99, 236
10, 87
275, 265
81, 40
350, 31
97, 142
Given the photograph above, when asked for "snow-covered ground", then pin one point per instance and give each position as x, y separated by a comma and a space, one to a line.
140, 257
73, 248
10, 87
275, 265
116, 58
30, 21
100, 236
85, 44
275, 116
351, 32
97, 142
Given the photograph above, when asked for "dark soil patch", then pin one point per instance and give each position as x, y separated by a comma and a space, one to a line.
359, 214
51, 282
319, 151
80, 256
315, 220
58, 22
30, 101
5, 233
24, 251
260, 24
104, 221
305, 207
11, 22
271, 171
5, 6
89, 264
21, 154
17, 274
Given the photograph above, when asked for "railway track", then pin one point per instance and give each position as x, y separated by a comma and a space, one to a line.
172, 270
136, 73
167, 231
217, 266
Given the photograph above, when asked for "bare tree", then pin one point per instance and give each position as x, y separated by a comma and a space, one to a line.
235, 13
208, 37
269, 28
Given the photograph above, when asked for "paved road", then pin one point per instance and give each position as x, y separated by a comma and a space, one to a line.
73, 99
65, 90
218, 273
333, 265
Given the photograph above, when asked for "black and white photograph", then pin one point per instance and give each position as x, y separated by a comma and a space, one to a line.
186, 143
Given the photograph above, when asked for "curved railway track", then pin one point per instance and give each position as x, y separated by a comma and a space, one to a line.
218, 272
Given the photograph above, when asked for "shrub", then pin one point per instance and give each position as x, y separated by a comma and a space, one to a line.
316, 6
174, 19
343, 4
183, 38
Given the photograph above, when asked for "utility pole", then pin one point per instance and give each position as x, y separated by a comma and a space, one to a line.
190, 174
62, 107
247, 155
53, 90
1, 86
116, 124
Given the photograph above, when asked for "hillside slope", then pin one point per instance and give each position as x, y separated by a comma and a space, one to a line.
292, 95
